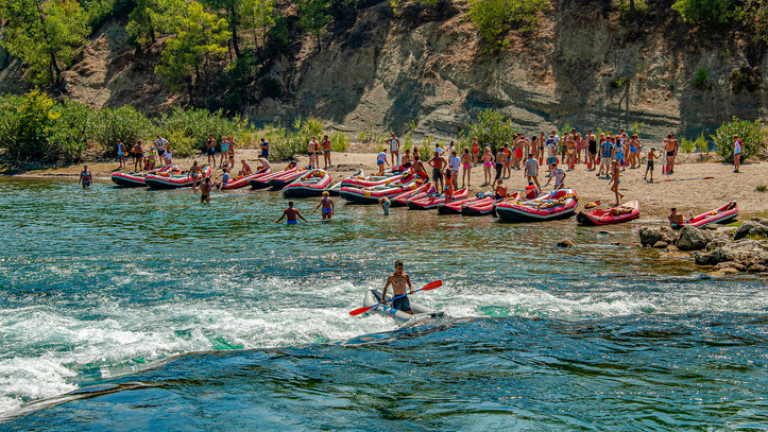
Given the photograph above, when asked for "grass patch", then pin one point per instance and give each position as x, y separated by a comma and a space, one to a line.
761, 188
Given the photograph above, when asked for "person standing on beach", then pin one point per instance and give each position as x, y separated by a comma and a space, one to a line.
532, 169
326, 145
232, 146
290, 214
615, 180
737, 146
559, 175
381, 159
398, 281
670, 147
652, 156
501, 159
210, 150
160, 145
551, 152
592, 150
475, 151
313, 148
454, 164
85, 177
437, 163
606, 155
394, 150
138, 156
466, 175
487, 164
264, 148
121, 153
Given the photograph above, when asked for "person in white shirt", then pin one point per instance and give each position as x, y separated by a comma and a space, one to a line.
394, 150
559, 176
454, 163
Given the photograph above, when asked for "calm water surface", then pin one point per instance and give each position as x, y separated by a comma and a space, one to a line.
139, 310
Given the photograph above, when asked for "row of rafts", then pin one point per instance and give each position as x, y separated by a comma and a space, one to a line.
405, 189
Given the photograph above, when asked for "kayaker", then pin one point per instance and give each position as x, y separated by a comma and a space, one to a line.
290, 214
398, 280
85, 177
205, 190
676, 218
327, 206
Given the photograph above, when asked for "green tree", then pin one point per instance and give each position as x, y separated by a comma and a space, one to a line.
45, 34
491, 128
751, 134
313, 17
141, 25
200, 43
259, 17
710, 13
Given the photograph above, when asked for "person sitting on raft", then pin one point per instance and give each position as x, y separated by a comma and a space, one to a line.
398, 280
530, 191
418, 167
264, 164
620, 210
224, 178
245, 170
676, 218
501, 191
290, 214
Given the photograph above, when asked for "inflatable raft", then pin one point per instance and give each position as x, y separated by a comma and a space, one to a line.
557, 204
454, 207
402, 199
243, 181
485, 205
362, 181
263, 182
373, 297
138, 178
371, 195
604, 216
280, 181
310, 184
431, 201
723, 214
174, 181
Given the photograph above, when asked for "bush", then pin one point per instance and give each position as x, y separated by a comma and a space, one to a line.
495, 17
745, 78
339, 142
700, 79
642, 9
751, 134
491, 128
125, 123
270, 88
690, 146
192, 127
708, 13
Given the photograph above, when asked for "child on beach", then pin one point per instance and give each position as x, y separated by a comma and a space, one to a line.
615, 180
327, 206
652, 156
448, 189
558, 174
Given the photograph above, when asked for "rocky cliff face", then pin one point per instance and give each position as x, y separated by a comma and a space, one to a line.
578, 67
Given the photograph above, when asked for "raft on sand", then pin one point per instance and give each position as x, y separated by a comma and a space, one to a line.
402, 199
371, 195
279, 182
262, 182
373, 298
723, 214
435, 200
604, 217
174, 181
558, 204
243, 181
310, 184
362, 181
138, 178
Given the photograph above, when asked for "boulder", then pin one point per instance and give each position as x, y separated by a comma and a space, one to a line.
751, 229
692, 238
763, 221
758, 268
660, 245
672, 248
731, 265
742, 251
650, 235
564, 243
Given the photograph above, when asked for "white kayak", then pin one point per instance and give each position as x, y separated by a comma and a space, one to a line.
373, 297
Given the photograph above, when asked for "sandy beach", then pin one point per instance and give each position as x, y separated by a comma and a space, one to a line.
685, 189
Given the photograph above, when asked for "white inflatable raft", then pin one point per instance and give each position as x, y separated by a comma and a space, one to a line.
373, 297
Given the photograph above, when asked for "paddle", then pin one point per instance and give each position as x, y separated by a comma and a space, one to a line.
427, 287
687, 179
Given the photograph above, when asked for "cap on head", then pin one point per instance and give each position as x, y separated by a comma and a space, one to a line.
398, 263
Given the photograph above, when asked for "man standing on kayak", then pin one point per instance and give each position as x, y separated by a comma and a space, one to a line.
399, 281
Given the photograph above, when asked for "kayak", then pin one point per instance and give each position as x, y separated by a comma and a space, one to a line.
402, 199
363, 181
138, 178
532, 211
485, 205
722, 214
454, 207
431, 201
281, 181
263, 182
604, 216
371, 195
174, 181
310, 184
243, 181
373, 297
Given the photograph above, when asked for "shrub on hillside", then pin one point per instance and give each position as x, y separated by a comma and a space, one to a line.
751, 134
495, 17
708, 13
700, 79
491, 128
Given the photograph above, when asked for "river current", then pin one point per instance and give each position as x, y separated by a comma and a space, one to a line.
124, 309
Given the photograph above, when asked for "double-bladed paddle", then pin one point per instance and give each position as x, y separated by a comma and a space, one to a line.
427, 287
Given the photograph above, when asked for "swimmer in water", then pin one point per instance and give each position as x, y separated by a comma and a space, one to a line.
290, 214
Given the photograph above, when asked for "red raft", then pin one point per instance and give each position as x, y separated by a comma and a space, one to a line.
263, 181
557, 204
310, 184
371, 195
431, 201
485, 205
454, 207
722, 214
363, 181
402, 199
175, 181
243, 181
610, 216
138, 178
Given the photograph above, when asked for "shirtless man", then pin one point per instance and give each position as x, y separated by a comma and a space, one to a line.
670, 146
210, 149
313, 148
398, 280
676, 218
418, 167
437, 163
264, 164
501, 159
517, 156
205, 189
326, 144
290, 214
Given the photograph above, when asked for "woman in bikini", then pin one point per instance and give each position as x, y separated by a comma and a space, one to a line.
475, 151
327, 206
466, 161
487, 160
